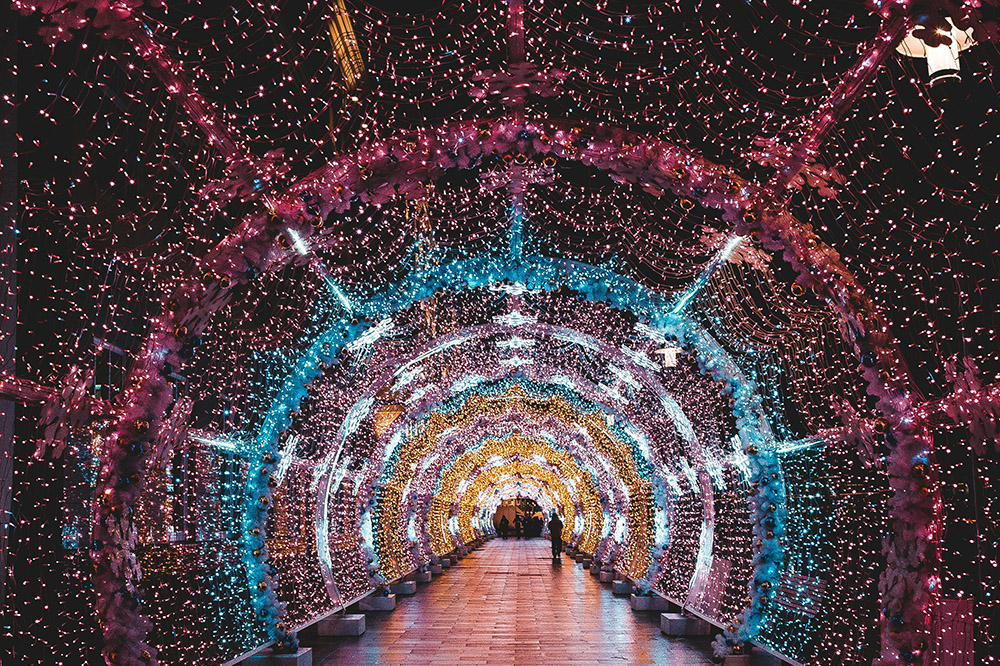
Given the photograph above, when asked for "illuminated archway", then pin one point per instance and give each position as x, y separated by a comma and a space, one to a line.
544, 275
817, 266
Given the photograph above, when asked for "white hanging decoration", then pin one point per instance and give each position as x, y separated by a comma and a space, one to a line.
67, 407
174, 429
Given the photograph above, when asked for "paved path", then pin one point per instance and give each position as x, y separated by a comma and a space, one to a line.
506, 603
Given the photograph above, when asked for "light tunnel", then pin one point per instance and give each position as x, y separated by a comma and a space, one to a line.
629, 453
547, 275
367, 461
364, 466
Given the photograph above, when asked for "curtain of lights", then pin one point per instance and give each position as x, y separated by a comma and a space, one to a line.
305, 290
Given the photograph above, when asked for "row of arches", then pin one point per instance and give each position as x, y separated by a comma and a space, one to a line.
399, 168
641, 454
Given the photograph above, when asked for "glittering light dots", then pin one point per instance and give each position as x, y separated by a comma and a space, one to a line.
300, 312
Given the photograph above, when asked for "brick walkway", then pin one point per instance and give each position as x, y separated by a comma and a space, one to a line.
506, 603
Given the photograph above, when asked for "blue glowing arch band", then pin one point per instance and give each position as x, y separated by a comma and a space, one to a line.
549, 274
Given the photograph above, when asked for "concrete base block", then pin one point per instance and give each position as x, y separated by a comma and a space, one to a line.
736, 660
371, 603
675, 624
342, 625
436, 569
595, 569
404, 588
607, 576
304, 657
423, 576
653, 603
621, 588
586, 562
756, 657
760, 658
445, 562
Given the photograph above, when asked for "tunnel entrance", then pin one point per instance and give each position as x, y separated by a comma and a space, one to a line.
524, 517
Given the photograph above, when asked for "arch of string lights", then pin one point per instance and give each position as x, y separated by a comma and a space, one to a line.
447, 282
544, 355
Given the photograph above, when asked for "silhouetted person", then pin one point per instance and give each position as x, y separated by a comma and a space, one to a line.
504, 526
518, 525
555, 529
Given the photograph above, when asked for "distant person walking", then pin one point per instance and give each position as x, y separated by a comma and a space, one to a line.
518, 525
504, 526
555, 530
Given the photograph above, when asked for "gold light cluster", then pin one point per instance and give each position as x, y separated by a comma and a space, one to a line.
497, 460
390, 529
